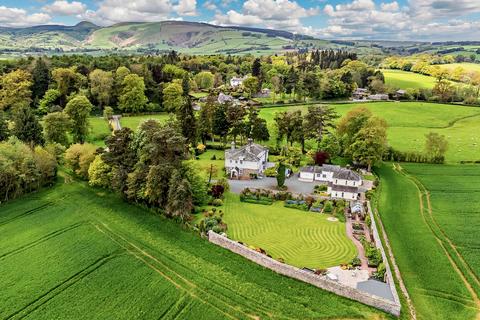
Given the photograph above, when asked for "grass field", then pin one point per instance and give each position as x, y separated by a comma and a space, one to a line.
106, 259
408, 123
406, 80
466, 66
303, 239
436, 250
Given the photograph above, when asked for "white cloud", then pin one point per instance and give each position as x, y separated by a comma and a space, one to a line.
210, 5
418, 19
282, 14
15, 17
186, 8
65, 8
115, 11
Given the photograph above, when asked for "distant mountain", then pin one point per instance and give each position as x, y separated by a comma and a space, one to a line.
189, 37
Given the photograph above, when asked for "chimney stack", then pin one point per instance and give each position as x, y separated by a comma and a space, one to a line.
233, 145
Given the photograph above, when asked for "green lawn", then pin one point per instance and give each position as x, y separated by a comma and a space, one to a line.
76, 252
205, 162
404, 79
434, 285
303, 239
466, 66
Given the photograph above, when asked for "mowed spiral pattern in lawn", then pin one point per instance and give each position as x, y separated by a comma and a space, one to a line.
302, 239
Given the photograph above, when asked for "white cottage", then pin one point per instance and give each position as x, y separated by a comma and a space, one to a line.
236, 81
342, 183
250, 159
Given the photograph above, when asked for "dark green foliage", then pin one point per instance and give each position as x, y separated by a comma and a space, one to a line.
188, 121
41, 79
78, 109
281, 175
56, 124
4, 132
26, 127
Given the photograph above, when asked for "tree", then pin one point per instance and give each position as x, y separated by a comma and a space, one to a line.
68, 81
78, 109
370, 143
56, 126
257, 128
15, 90
180, 197
118, 78
235, 115
49, 100
79, 157
205, 121
444, 90
290, 126
133, 97
121, 157
172, 97
281, 175
321, 157
101, 86
352, 123
187, 121
26, 127
436, 145
277, 86
158, 183
204, 80
256, 67
40, 79
220, 123
99, 173
330, 144
251, 86
4, 131
318, 121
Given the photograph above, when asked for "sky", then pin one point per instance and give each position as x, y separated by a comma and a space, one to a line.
422, 20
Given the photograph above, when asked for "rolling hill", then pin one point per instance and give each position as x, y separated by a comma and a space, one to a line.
188, 37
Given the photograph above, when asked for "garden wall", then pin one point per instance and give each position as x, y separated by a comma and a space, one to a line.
378, 244
305, 276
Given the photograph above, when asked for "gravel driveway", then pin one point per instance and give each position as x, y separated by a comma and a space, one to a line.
293, 184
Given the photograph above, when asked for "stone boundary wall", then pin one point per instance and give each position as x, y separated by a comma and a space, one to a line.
305, 276
378, 244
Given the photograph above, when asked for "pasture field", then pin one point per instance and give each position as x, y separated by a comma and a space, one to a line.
430, 213
76, 252
464, 65
406, 80
408, 123
302, 239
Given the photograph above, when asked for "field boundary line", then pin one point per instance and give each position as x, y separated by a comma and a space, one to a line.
26, 213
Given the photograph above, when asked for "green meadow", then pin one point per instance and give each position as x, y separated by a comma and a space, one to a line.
405, 79
74, 252
408, 123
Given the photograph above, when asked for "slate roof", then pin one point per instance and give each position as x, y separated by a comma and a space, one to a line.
311, 169
375, 287
340, 188
346, 174
249, 152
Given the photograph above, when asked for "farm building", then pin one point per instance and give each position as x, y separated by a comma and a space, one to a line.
378, 97
247, 161
360, 94
342, 182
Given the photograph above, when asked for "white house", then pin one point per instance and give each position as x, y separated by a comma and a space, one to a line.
241, 163
342, 183
236, 81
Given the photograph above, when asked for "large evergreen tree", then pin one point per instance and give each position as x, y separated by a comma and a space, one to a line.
41, 79
27, 127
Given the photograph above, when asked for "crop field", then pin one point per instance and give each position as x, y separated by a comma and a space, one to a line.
406, 80
302, 239
76, 252
430, 213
